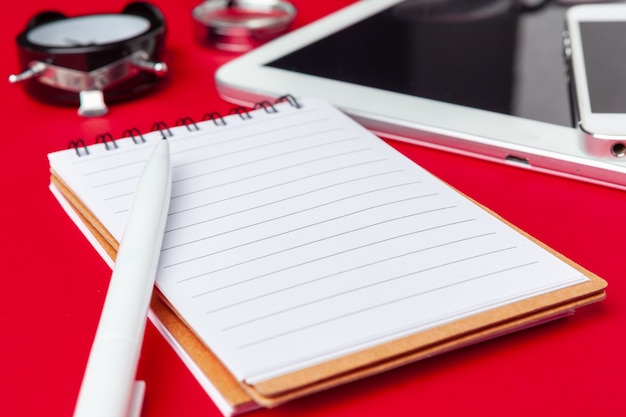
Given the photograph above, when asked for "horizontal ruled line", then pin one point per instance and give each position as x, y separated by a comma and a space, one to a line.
293, 197
136, 147
295, 180
252, 148
376, 306
135, 177
317, 259
322, 278
271, 171
280, 155
102, 171
355, 289
254, 135
313, 225
203, 160
115, 197
110, 198
291, 214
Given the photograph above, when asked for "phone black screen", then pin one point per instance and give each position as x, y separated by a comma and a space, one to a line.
604, 50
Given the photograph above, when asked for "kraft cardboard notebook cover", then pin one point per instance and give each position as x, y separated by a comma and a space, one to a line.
300, 196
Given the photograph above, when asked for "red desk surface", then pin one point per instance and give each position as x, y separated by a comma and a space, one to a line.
52, 283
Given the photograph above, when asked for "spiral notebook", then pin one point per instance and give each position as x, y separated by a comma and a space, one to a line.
302, 252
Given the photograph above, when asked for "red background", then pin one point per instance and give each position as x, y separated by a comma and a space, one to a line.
52, 283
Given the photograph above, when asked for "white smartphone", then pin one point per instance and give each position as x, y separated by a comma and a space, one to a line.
480, 78
595, 48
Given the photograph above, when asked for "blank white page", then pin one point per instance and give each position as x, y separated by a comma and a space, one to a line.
298, 236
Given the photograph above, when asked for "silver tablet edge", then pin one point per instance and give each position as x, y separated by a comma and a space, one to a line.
583, 168
528, 144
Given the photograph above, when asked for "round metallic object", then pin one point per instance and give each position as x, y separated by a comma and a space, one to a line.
241, 25
81, 60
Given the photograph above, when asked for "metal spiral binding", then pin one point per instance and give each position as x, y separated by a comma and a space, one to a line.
265, 105
241, 111
188, 123
162, 127
107, 140
290, 99
218, 120
77, 145
135, 135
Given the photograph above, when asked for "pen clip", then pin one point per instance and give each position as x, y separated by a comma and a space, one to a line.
136, 399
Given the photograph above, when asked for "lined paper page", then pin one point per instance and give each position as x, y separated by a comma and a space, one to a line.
298, 237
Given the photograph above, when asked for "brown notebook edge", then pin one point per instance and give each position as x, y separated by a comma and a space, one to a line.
451, 336
405, 350
430, 342
230, 389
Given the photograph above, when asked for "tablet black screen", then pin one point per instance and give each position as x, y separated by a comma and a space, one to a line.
488, 54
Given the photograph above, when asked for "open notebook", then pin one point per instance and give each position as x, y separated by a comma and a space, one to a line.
302, 252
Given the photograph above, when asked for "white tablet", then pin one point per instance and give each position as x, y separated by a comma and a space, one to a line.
482, 78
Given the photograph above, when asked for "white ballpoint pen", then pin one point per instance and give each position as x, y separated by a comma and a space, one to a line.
109, 387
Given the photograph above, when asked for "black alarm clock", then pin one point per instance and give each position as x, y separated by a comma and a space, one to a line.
92, 59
